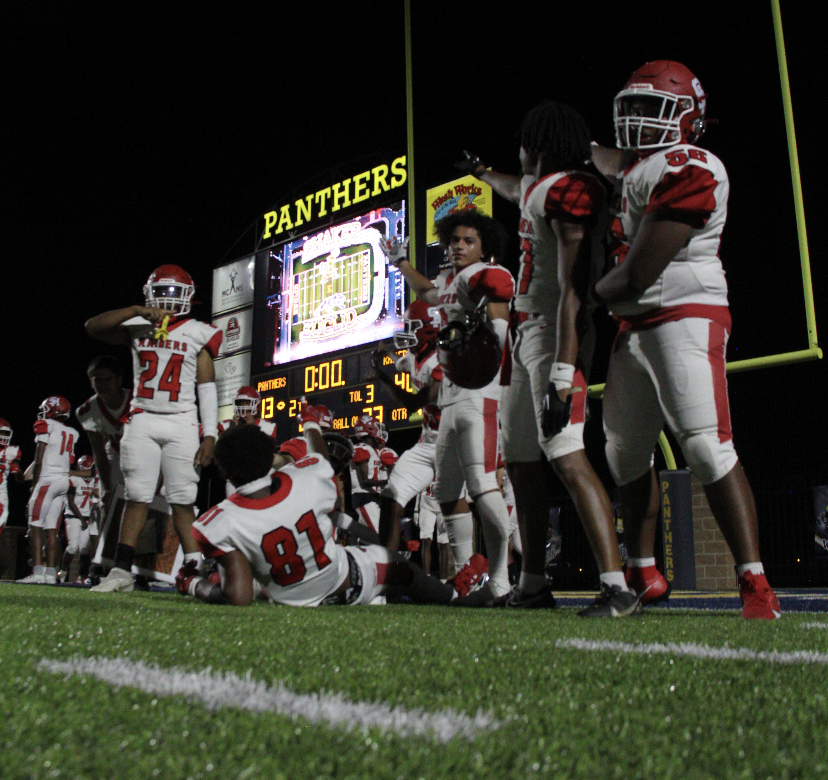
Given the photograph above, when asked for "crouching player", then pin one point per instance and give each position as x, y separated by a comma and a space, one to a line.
278, 530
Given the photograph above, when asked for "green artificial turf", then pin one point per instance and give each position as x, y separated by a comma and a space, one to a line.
563, 712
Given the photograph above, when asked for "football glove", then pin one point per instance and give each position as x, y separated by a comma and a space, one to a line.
187, 578
471, 165
554, 412
396, 251
319, 414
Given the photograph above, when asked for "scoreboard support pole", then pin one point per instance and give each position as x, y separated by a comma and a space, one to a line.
409, 125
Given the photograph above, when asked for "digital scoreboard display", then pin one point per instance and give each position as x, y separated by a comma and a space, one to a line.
331, 296
339, 381
335, 287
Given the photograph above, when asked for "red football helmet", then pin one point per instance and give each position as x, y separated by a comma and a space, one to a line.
54, 407
5, 433
367, 425
85, 462
246, 403
169, 287
469, 352
661, 104
420, 326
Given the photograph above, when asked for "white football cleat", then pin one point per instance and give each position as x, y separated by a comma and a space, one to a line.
33, 579
117, 581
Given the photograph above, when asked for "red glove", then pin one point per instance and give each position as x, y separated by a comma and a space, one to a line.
320, 415
185, 577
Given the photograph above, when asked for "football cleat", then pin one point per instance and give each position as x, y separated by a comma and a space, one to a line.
471, 577
34, 579
117, 581
543, 599
649, 583
482, 595
759, 602
613, 602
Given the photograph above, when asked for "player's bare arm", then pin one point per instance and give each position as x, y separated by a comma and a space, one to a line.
397, 254
237, 589
98, 443
505, 185
106, 327
609, 161
38, 462
656, 244
573, 261
208, 409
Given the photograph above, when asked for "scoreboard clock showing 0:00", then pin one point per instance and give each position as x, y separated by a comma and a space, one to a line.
339, 382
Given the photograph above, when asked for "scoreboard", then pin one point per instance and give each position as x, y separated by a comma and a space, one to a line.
339, 381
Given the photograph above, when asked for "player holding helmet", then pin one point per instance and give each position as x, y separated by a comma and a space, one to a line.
668, 290
9, 465
466, 447
563, 217
53, 458
172, 365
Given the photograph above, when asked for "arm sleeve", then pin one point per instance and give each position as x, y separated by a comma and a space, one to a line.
689, 192
208, 407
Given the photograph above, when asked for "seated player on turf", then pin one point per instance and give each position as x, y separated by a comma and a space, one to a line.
278, 530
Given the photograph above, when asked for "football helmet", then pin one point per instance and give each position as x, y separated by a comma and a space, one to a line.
5, 433
246, 403
340, 450
54, 407
85, 462
662, 104
469, 352
169, 287
367, 425
419, 327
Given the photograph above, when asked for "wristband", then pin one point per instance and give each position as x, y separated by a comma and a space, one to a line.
562, 375
191, 589
500, 328
208, 408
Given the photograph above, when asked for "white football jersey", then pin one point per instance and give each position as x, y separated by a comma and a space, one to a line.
165, 371
569, 196
59, 454
84, 487
365, 453
96, 417
424, 373
9, 464
287, 537
692, 183
458, 293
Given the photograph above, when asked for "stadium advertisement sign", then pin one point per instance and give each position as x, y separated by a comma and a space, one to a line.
233, 285
237, 329
232, 373
456, 195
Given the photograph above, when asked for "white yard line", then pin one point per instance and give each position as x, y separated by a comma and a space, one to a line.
698, 651
216, 690
814, 625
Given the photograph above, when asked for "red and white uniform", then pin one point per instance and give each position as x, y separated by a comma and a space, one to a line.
569, 196
96, 417
288, 538
49, 494
466, 447
9, 464
668, 363
428, 515
415, 469
162, 434
365, 500
77, 537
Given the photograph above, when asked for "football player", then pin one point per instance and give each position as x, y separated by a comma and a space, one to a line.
54, 456
278, 530
172, 358
415, 471
466, 446
563, 218
81, 537
102, 417
367, 475
667, 288
9, 466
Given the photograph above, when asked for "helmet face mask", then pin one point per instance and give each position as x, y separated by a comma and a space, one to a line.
420, 328
662, 104
5, 433
171, 288
246, 403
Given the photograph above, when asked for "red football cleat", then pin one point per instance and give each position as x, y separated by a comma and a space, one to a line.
759, 602
472, 574
648, 583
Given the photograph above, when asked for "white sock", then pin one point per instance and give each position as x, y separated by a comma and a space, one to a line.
755, 568
640, 563
460, 528
531, 583
611, 578
495, 520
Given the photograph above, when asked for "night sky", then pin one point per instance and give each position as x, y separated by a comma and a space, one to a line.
159, 133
